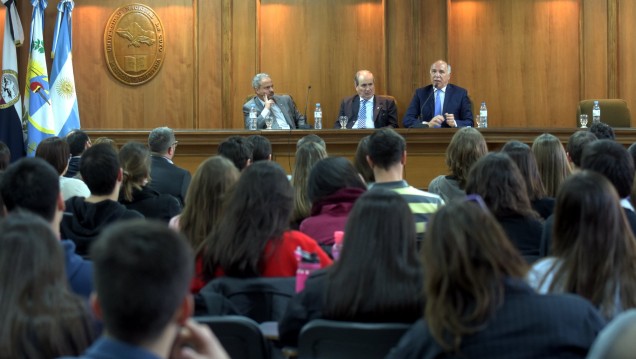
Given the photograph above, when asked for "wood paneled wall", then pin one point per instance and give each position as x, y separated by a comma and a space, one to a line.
531, 60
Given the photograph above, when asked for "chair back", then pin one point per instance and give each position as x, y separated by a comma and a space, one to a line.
614, 112
617, 339
261, 299
240, 336
334, 339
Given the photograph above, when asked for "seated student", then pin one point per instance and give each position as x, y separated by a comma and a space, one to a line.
238, 150
497, 179
78, 142
261, 148
523, 157
41, 318
55, 151
142, 273
32, 184
466, 147
593, 248
552, 161
307, 156
377, 278
333, 188
5, 156
135, 194
204, 205
89, 216
477, 303
253, 239
360, 161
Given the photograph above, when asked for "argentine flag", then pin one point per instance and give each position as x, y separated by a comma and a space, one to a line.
37, 99
63, 96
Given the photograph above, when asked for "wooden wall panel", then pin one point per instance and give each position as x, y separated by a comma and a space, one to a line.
209, 70
305, 42
521, 57
627, 54
594, 59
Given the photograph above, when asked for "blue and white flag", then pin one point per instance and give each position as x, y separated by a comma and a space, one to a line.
63, 95
37, 99
10, 100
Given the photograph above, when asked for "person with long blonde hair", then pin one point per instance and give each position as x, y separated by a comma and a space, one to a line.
307, 156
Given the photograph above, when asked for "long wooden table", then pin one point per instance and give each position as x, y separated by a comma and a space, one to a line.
426, 148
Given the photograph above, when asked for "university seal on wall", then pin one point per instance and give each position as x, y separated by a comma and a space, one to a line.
134, 44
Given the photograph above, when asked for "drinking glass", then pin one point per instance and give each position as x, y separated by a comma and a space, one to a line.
583, 120
343, 122
477, 121
269, 121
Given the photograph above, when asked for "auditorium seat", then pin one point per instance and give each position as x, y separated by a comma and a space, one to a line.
614, 112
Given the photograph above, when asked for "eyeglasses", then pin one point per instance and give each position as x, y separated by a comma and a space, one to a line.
175, 143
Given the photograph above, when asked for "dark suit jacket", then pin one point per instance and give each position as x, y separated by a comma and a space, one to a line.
456, 101
286, 104
526, 325
384, 111
166, 178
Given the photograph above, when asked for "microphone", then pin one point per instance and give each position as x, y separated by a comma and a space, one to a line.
307, 100
423, 104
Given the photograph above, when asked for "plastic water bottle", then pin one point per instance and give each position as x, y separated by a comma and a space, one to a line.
337, 245
318, 117
253, 117
483, 116
596, 113
308, 264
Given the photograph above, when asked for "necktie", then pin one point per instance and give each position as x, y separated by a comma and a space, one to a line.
438, 104
362, 114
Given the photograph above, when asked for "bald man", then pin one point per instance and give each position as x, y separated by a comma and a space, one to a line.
439, 104
365, 109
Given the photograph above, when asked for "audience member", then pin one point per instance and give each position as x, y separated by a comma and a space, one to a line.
497, 179
135, 193
377, 278
592, 255
521, 154
41, 318
387, 158
78, 142
366, 109
167, 178
238, 150
477, 304
32, 184
204, 204
142, 271
5, 156
261, 148
333, 187
87, 217
360, 160
574, 149
311, 138
252, 238
306, 157
552, 162
107, 140
466, 147
55, 151
279, 107
602, 131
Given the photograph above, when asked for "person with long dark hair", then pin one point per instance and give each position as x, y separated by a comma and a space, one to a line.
523, 157
55, 151
41, 318
378, 276
478, 304
253, 239
552, 161
333, 187
593, 248
135, 193
497, 179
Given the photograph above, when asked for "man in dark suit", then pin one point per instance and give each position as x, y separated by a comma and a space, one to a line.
440, 104
166, 178
375, 111
281, 107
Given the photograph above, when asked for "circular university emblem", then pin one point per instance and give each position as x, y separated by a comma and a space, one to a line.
9, 90
134, 44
